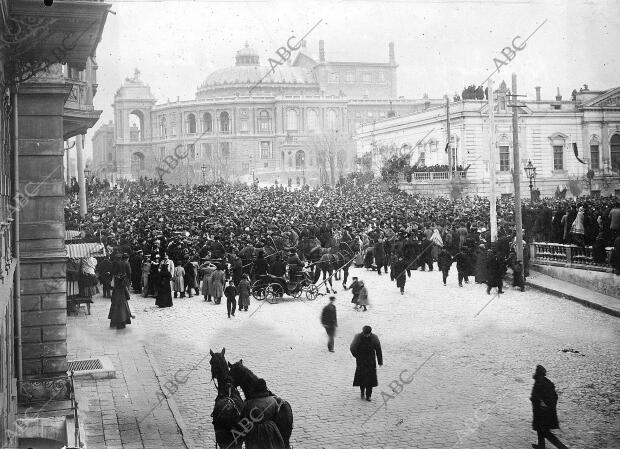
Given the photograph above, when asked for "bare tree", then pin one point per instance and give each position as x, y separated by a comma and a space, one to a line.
330, 148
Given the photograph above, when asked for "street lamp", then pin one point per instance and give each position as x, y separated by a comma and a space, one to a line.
203, 167
530, 172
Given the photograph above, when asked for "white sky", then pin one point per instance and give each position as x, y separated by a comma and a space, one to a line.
441, 46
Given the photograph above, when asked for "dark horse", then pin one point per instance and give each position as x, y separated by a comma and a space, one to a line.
228, 404
255, 391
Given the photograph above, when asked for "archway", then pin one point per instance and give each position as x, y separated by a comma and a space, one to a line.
136, 126
300, 160
137, 164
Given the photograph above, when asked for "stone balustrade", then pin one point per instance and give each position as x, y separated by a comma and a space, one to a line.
571, 256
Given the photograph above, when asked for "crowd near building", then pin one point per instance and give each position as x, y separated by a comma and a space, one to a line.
293, 121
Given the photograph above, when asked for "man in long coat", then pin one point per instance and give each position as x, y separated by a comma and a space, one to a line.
495, 271
380, 259
544, 402
366, 349
399, 273
330, 322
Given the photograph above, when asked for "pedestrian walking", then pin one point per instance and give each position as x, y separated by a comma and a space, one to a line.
146, 271
366, 349
444, 261
105, 276
399, 273
231, 303
164, 293
544, 402
218, 281
330, 322
120, 314
362, 298
462, 266
495, 271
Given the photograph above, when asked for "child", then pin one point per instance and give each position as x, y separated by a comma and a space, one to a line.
231, 303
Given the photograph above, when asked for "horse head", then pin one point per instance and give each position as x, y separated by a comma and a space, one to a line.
219, 366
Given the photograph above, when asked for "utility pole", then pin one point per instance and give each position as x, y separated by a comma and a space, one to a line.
516, 176
79, 148
492, 150
449, 145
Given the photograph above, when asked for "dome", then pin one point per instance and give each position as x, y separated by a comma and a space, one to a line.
248, 72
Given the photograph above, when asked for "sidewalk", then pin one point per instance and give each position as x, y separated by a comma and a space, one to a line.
584, 296
127, 412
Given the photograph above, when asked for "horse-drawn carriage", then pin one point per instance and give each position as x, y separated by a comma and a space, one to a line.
273, 288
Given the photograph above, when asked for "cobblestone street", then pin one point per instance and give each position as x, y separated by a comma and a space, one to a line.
471, 392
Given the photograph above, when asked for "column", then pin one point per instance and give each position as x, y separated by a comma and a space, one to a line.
42, 228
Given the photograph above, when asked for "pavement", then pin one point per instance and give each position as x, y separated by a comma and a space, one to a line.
467, 359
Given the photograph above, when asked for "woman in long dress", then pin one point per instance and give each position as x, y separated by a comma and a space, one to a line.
164, 295
120, 314
88, 278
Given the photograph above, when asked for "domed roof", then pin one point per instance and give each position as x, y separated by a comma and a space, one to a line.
248, 71
259, 74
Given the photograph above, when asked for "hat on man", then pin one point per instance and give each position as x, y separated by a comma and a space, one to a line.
367, 330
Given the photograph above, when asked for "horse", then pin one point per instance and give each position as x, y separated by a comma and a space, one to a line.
228, 403
252, 386
326, 265
310, 249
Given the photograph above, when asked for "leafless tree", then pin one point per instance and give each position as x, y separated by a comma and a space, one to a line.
330, 148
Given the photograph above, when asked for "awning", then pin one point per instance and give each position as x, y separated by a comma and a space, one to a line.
72, 234
82, 250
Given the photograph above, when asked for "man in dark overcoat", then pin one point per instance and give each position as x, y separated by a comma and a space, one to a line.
495, 271
544, 402
366, 349
399, 273
330, 322
380, 259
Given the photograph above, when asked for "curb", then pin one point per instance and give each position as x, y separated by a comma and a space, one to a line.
189, 443
583, 302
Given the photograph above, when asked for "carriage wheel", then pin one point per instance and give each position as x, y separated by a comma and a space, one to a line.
312, 292
297, 291
259, 290
273, 293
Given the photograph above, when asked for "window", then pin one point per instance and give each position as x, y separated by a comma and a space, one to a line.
422, 159
381, 76
191, 124
332, 120
312, 120
224, 122
594, 157
504, 158
206, 151
207, 123
173, 130
162, 126
243, 126
162, 152
265, 150
264, 122
558, 157
225, 147
615, 152
245, 167
291, 120
350, 77
191, 150
333, 77
367, 77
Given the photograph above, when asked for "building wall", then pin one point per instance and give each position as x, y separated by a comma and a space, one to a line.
541, 126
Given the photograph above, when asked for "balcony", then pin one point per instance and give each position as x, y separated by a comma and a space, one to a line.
435, 176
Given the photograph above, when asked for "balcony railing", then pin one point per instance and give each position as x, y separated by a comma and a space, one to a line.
571, 256
436, 175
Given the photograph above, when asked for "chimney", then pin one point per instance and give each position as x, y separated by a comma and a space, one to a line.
537, 93
321, 51
558, 97
392, 56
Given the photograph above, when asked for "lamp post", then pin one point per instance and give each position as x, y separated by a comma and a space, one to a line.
203, 167
530, 172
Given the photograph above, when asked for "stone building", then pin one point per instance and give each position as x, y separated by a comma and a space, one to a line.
293, 121
43, 104
550, 132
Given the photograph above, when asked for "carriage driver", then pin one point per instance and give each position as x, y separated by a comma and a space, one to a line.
294, 264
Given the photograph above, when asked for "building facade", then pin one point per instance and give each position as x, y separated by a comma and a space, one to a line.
250, 121
44, 103
564, 140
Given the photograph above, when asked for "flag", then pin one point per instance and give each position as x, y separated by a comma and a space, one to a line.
577, 152
447, 145
319, 203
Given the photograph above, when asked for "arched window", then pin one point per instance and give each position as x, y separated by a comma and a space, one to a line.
224, 122
264, 122
162, 126
191, 124
332, 120
137, 164
292, 122
300, 160
207, 123
313, 120
614, 144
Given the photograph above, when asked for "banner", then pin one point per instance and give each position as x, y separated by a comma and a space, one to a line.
577, 152
319, 203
